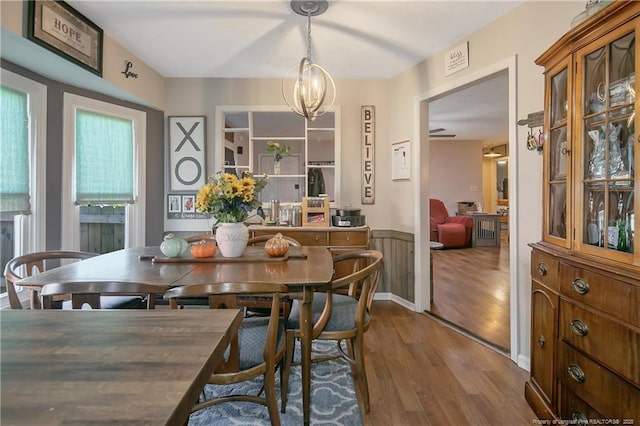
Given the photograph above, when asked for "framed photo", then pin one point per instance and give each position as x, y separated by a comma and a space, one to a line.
174, 203
188, 203
401, 160
63, 30
187, 161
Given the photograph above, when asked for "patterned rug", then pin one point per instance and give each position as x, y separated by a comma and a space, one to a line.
333, 398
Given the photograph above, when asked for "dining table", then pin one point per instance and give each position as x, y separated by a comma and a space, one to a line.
304, 270
126, 366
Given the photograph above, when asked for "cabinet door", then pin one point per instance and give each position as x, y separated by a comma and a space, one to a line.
605, 182
557, 161
544, 304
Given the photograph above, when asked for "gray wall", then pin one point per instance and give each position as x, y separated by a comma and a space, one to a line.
154, 156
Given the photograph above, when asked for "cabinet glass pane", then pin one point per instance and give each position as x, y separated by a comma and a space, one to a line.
559, 103
608, 177
278, 123
286, 189
558, 154
558, 210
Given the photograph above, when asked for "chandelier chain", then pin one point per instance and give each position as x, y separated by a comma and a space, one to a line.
309, 36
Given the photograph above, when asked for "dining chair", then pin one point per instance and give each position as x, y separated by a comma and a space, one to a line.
257, 348
30, 264
92, 293
340, 317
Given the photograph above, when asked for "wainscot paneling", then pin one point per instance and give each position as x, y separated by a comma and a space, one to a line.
399, 270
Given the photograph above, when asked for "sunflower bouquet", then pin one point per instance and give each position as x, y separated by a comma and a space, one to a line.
230, 198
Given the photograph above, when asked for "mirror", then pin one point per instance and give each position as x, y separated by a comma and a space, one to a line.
502, 178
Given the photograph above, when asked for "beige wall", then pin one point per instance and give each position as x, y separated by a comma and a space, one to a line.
515, 34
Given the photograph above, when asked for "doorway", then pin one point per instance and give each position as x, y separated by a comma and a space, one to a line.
503, 257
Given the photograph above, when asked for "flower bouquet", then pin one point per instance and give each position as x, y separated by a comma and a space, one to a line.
230, 198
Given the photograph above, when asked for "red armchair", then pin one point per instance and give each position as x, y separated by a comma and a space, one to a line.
451, 231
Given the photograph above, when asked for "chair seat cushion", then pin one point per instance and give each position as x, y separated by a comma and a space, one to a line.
343, 311
116, 302
251, 338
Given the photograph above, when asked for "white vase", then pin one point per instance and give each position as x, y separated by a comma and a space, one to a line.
232, 239
276, 167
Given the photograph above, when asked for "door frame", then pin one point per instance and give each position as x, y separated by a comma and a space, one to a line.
422, 284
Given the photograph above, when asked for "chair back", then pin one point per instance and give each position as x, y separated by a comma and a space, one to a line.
24, 266
438, 211
90, 293
261, 239
200, 237
361, 284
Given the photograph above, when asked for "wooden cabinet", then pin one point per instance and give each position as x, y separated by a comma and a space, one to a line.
335, 238
585, 299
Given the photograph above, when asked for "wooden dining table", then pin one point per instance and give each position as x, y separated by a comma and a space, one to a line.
108, 366
308, 269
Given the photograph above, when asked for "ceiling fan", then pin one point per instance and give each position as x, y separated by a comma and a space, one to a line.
435, 133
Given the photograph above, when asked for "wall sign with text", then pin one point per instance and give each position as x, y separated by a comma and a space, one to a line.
187, 161
368, 153
63, 30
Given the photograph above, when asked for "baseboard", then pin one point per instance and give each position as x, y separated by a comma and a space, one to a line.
392, 297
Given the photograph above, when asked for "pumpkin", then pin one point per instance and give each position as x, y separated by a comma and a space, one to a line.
203, 249
276, 246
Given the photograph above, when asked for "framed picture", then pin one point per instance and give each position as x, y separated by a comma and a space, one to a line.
188, 203
401, 160
187, 161
174, 204
63, 30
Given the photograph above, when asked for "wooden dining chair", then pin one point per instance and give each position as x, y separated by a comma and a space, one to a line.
30, 264
341, 317
257, 348
92, 293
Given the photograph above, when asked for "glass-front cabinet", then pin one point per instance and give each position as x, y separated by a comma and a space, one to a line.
589, 167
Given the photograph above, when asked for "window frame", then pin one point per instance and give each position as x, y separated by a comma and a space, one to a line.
30, 230
134, 213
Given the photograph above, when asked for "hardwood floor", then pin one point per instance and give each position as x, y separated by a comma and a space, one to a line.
471, 291
422, 372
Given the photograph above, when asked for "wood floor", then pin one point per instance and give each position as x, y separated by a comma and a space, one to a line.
471, 290
422, 372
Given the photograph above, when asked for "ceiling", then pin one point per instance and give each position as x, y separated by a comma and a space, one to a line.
359, 39
353, 39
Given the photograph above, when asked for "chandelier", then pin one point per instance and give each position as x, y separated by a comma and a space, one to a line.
308, 88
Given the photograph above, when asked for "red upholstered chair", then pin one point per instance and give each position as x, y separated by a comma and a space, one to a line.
451, 231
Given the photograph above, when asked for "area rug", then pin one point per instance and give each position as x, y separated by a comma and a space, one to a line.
333, 397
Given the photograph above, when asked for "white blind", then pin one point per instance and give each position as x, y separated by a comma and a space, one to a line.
14, 152
104, 159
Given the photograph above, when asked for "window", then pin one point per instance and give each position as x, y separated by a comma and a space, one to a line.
309, 169
104, 176
22, 167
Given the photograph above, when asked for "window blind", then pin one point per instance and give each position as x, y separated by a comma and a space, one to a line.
14, 152
104, 159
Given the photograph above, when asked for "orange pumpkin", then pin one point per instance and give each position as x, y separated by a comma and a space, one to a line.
276, 246
203, 249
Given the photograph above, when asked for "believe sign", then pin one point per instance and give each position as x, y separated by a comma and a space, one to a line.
368, 150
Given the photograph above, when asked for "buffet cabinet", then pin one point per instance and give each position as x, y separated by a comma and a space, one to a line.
585, 290
335, 238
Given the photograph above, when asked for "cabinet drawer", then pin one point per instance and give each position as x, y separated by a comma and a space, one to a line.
615, 297
309, 238
573, 408
348, 238
606, 340
544, 269
601, 389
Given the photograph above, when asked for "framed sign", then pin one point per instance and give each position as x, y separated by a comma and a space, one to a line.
63, 30
368, 118
187, 161
401, 157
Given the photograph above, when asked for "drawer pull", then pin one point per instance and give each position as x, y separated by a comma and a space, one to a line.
542, 269
541, 341
580, 417
580, 286
579, 327
576, 373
